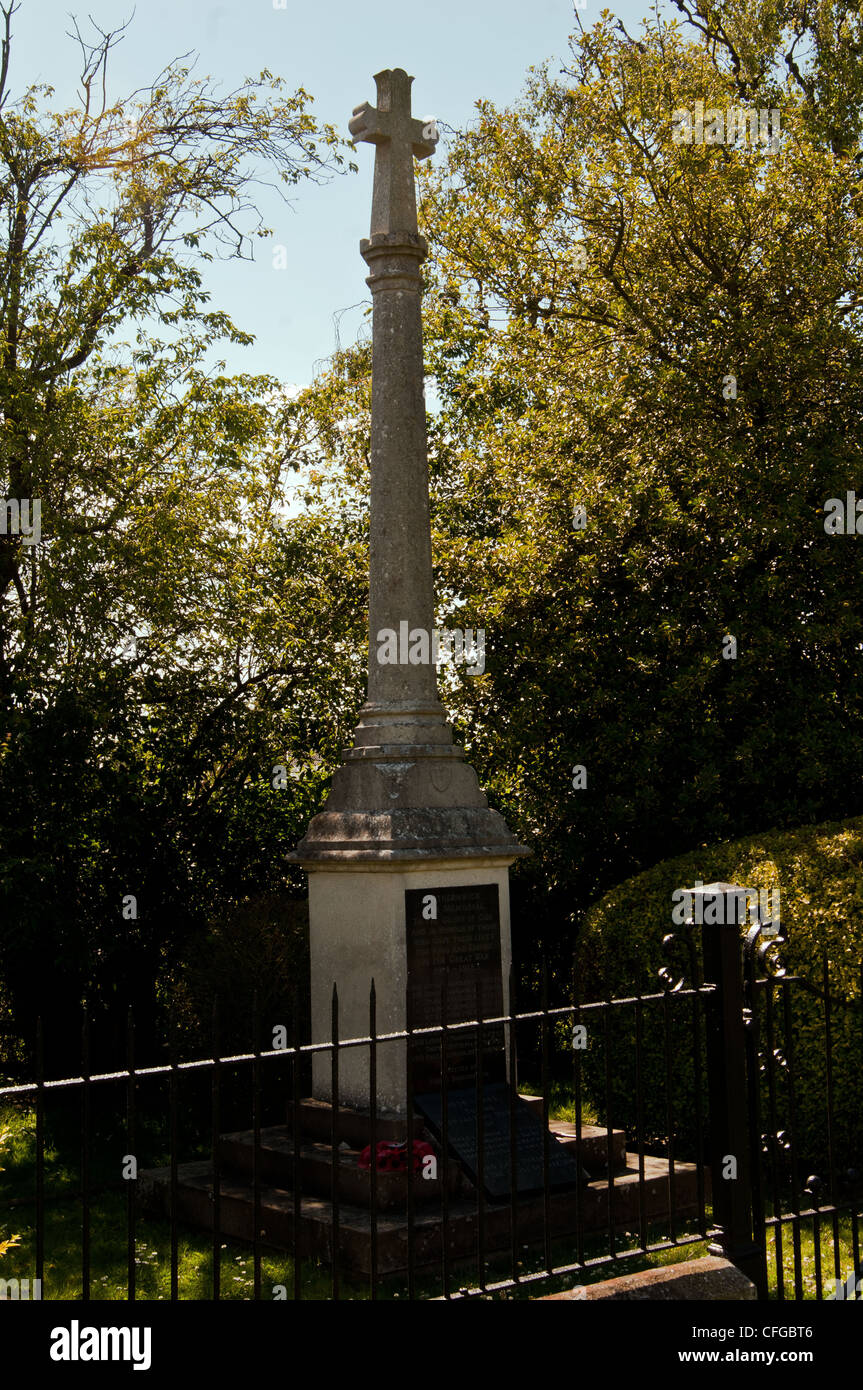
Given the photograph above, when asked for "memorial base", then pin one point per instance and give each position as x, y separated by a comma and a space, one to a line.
418, 931
301, 1210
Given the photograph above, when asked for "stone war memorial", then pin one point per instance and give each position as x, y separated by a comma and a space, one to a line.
408, 867
415, 1131
427, 631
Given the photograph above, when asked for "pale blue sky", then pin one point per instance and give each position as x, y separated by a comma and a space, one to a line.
458, 50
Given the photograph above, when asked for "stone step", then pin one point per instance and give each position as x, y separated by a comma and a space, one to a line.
594, 1139
277, 1165
352, 1127
587, 1208
593, 1149
277, 1160
534, 1102
315, 1119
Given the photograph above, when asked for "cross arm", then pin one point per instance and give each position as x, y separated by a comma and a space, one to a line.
374, 126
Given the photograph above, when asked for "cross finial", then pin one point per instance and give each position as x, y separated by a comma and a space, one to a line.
397, 137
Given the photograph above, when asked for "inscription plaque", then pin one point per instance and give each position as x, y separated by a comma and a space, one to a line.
502, 1114
453, 941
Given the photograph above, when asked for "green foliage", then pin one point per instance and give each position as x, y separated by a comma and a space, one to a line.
604, 387
154, 777
256, 957
183, 625
10, 1241
190, 620
819, 872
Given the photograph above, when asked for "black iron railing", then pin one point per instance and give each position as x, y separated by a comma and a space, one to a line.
666, 1148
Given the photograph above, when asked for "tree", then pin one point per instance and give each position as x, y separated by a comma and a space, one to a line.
157, 653
142, 186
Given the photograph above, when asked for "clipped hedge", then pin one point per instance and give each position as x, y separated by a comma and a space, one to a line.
819, 871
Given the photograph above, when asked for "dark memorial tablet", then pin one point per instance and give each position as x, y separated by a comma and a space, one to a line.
497, 1168
453, 950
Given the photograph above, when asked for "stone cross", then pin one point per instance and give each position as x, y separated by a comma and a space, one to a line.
402, 696
398, 137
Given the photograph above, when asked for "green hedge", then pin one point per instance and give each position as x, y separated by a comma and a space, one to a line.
819, 871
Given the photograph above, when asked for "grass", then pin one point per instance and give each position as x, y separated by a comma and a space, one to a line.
109, 1237
108, 1256
561, 1105
825, 1246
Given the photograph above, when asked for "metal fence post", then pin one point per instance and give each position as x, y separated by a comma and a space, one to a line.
730, 1129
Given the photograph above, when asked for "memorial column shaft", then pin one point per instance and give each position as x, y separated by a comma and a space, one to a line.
400, 561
